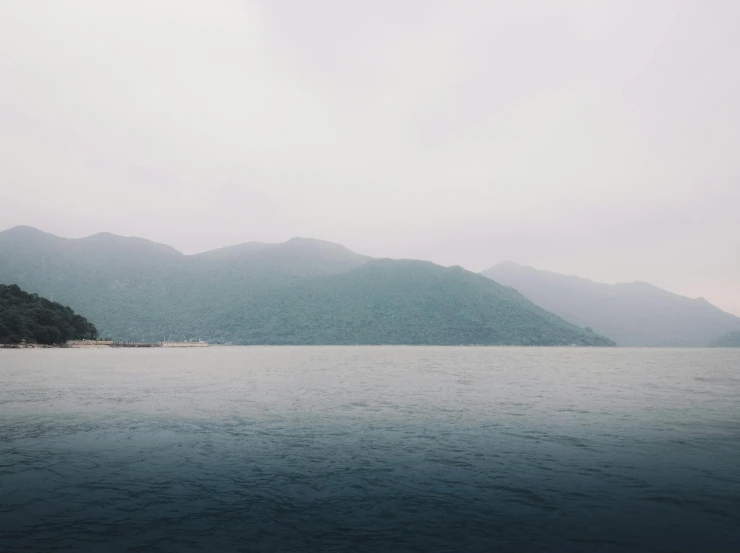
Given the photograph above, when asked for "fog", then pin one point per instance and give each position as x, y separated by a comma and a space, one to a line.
591, 138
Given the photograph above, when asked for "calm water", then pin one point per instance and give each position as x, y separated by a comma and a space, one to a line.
370, 449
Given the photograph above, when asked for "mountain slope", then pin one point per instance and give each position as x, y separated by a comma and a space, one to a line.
632, 314
399, 302
119, 283
302, 291
729, 340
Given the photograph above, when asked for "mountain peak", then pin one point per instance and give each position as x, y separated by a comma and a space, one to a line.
302, 245
311, 242
25, 231
129, 242
22, 228
508, 265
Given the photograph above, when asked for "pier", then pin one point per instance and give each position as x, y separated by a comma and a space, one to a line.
123, 344
132, 344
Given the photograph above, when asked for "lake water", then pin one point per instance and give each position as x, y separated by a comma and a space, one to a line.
370, 449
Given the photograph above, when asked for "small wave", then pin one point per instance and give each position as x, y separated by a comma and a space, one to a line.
665, 499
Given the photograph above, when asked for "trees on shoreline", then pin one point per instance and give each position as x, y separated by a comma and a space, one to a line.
32, 318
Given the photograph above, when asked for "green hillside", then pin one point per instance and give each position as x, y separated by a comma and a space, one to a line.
397, 302
302, 291
31, 318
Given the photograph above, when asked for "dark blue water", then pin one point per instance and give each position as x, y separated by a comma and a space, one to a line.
370, 449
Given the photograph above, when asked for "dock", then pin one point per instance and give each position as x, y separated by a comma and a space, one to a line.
132, 344
123, 344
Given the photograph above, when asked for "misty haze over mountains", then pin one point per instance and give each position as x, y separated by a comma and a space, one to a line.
464, 133
307, 291
302, 291
632, 313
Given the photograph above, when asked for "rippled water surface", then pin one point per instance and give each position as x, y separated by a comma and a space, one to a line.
370, 449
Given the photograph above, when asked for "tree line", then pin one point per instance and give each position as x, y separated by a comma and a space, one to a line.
34, 319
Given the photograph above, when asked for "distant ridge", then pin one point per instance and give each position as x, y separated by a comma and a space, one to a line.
25, 235
302, 291
632, 314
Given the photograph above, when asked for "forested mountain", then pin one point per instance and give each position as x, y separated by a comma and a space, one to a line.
632, 314
302, 291
398, 302
35, 319
729, 340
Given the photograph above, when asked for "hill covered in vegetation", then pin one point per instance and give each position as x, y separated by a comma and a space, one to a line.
31, 318
729, 340
302, 291
398, 302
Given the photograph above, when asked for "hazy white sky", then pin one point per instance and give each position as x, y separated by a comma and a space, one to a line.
591, 137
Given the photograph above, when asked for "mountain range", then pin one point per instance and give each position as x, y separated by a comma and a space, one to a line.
632, 314
302, 291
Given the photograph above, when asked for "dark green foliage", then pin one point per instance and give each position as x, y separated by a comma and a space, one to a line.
35, 319
299, 292
729, 340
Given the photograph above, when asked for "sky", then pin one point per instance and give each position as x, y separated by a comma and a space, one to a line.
596, 138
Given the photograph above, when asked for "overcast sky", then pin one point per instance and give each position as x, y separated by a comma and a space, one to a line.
598, 138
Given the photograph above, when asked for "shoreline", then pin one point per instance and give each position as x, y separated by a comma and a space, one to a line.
106, 345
